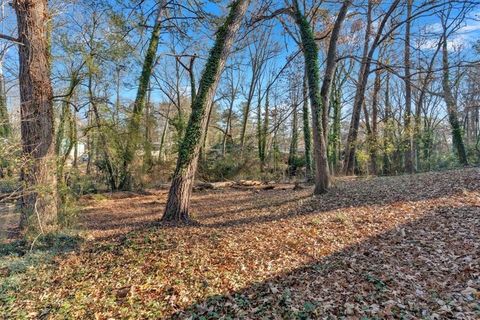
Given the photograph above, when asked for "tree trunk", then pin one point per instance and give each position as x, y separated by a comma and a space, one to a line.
141, 98
331, 64
228, 127
319, 99
457, 134
310, 52
246, 109
292, 154
335, 136
387, 128
164, 134
373, 138
181, 189
39, 201
103, 139
408, 96
350, 147
147, 142
5, 127
307, 133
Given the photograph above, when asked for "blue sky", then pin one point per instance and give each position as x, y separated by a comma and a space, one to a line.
466, 36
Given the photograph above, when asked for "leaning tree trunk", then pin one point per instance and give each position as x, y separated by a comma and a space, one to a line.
331, 63
181, 189
141, 99
39, 200
350, 147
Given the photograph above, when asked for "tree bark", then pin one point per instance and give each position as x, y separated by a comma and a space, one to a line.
5, 127
39, 201
374, 133
408, 96
350, 147
319, 98
331, 63
457, 132
141, 99
177, 208
310, 52
307, 133
292, 154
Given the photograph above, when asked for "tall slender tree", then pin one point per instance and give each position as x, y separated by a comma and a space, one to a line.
408, 95
307, 132
457, 132
319, 98
141, 98
368, 51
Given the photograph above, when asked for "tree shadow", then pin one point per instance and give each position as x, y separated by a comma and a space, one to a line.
429, 267
358, 193
233, 208
53, 243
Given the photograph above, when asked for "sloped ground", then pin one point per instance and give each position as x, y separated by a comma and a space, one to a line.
401, 247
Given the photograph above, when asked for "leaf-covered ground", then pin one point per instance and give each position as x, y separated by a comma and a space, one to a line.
383, 248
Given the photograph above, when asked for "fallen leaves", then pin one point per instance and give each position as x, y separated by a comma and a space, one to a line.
398, 247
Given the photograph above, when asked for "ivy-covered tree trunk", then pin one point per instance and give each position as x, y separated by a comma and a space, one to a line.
310, 52
307, 133
334, 139
319, 98
39, 200
141, 99
457, 132
181, 189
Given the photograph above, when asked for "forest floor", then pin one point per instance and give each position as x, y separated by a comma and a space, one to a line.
372, 248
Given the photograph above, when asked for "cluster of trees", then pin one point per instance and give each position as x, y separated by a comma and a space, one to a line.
148, 91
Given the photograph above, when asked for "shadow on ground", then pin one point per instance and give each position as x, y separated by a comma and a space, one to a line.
244, 208
427, 268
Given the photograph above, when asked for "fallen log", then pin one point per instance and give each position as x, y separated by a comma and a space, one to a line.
213, 185
249, 183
